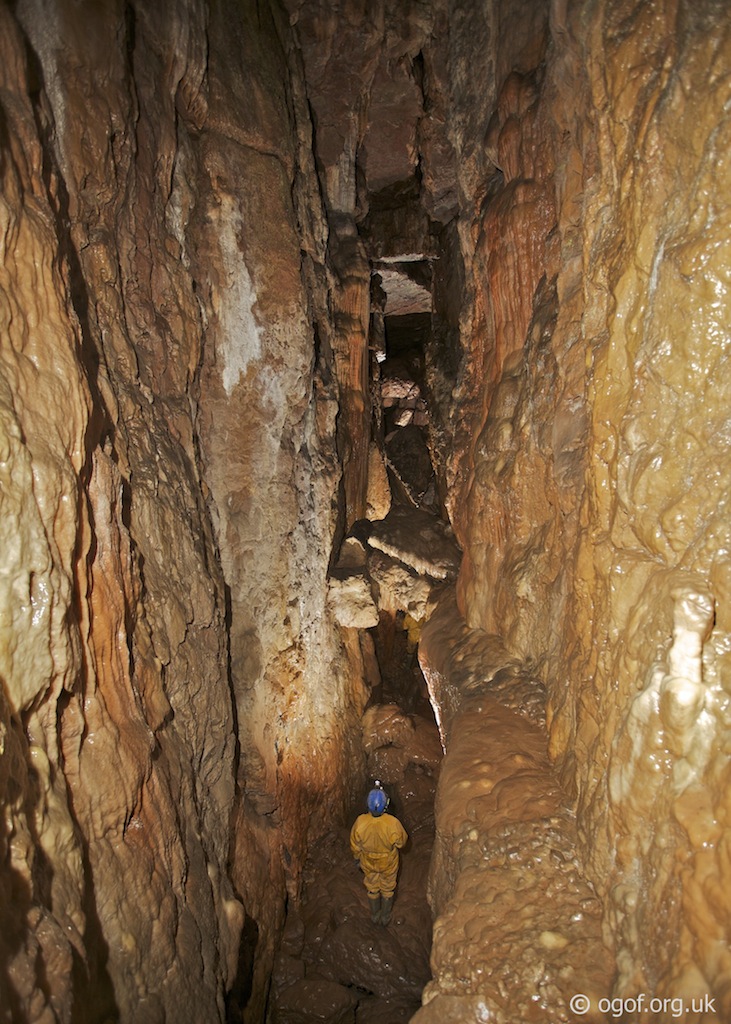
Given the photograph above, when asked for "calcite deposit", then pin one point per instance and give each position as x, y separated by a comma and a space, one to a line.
327, 331
591, 500
117, 798
168, 432
519, 927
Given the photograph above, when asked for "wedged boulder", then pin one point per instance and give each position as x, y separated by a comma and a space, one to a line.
405, 753
352, 554
408, 458
351, 601
387, 725
418, 539
398, 587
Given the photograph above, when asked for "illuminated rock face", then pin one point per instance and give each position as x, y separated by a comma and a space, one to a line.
655, 553
176, 698
185, 409
591, 499
518, 932
118, 743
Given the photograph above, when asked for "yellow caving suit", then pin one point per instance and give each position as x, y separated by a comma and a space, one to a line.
375, 842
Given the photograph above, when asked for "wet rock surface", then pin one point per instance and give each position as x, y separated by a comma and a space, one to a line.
335, 963
591, 495
408, 458
163, 248
419, 539
519, 927
192, 197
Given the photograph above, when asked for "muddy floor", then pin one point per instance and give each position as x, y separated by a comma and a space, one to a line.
335, 966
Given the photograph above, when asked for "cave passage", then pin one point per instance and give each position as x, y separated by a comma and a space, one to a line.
334, 964
364, 413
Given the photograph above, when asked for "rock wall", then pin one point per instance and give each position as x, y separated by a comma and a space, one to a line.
176, 701
118, 724
590, 477
185, 298
518, 930
656, 499
376, 81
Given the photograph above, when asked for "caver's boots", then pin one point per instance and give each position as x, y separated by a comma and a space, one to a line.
386, 906
375, 902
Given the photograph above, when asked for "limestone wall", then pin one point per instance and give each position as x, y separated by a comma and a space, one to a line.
175, 699
592, 503
656, 497
184, 350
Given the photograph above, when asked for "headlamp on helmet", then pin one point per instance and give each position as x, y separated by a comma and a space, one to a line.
377, 800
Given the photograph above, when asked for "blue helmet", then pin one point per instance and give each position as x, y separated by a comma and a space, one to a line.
377, 801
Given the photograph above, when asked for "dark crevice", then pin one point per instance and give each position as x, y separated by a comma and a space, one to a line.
238, 996
130, 36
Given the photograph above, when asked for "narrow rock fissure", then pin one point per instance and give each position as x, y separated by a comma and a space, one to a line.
364, 416
335, 965
507, 829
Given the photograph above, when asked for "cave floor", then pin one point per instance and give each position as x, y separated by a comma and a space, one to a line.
335, 965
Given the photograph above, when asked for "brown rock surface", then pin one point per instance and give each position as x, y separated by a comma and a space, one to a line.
191, 198
419, 540
589, 477
116, 705
169, 461
383, 969
518, 928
